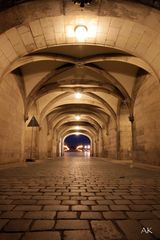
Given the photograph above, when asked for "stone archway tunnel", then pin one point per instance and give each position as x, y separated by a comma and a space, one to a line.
115, 69
92, 70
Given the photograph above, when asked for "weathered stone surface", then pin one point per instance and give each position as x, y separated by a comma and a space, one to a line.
70, 202
40, 215
10, 236
147, 128
114, 215
157, 213
71, 224
80, 208
42, 236
91, 215
76, 218
11, 121
18, 225
105, 230
154, 225
78, 235
41, 225
12, 214
3, 223
119, 207
100, 208
56, 208
67, 215
141, 215
132, 230
27, 208
141, 207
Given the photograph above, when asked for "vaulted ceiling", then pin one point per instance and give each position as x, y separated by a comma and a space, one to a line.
50, 75
102, 76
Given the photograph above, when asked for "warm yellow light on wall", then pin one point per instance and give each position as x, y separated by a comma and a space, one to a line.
77, 127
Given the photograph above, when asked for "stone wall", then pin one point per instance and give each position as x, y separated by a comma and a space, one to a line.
105, 141
53, 144
125, 134
147, 123
11, 121
112, 140
43, 140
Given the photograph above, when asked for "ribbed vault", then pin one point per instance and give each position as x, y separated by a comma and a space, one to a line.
108, 68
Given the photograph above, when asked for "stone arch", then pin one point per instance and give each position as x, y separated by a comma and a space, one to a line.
85, 133
121, 37
129, 34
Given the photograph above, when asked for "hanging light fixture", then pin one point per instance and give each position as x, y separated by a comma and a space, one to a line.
82, 3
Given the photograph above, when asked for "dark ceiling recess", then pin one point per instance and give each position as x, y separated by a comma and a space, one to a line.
5, 4
151, 3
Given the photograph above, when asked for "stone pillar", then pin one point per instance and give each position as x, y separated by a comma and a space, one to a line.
99, 144
131, 119
94, 148
105, 139
102, 148
118, 137
62, 148
91, 148
49, 146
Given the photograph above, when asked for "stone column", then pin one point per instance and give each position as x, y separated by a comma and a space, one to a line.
49, 146
117, 129
131, 119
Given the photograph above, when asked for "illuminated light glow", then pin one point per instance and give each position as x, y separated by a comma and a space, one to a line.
77, 117
70, 31
81, 32
78, 95
83, 148
79, 148
66, 148
77, 133
92, 30
77, 127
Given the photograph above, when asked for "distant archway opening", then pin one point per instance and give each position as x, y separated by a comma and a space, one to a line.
77, 145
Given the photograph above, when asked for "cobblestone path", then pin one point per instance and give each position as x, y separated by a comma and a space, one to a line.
79, 199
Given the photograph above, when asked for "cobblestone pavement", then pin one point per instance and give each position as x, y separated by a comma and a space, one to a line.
79, 199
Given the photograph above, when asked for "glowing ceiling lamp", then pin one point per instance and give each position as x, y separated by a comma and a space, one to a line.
77, 117
78, 94
81, 32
